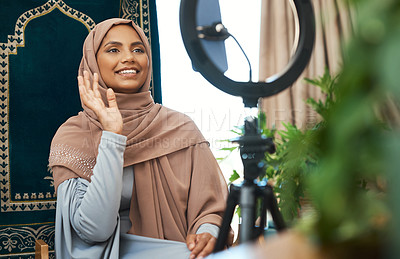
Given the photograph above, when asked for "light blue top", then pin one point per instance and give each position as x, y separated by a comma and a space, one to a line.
92, 219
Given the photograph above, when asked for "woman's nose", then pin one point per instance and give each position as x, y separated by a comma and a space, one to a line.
128, 57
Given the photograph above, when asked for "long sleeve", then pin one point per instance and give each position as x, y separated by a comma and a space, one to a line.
94, 214
86, 212
209, 228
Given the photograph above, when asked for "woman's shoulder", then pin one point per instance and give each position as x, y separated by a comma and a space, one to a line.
185, 125
72, 125
174, 113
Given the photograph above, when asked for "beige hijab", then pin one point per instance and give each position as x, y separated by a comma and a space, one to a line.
177, 186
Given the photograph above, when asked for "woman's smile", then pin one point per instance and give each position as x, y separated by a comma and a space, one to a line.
128, 73
122, 59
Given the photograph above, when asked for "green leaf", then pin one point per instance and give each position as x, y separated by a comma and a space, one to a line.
234, 176
228, 149
236, 132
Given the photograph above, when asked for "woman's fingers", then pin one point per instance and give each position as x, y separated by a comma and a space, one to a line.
191, 241
82, 89
200, 244
208, 248
86, 78
81, 85
89, 91
205, 243
113, 119
109, 117
112, 100
96, 85
87, 94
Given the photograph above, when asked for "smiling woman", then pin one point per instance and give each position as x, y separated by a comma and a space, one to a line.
122, 60
145, 169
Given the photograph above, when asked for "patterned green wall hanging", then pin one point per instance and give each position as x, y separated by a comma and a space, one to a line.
40, 50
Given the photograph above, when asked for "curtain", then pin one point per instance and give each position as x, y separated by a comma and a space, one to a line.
333, 26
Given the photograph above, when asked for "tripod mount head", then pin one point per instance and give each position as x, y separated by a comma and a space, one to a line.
252, 148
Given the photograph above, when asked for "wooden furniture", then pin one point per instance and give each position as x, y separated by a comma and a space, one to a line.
41, 250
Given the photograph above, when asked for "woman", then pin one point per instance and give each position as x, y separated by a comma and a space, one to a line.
133, 178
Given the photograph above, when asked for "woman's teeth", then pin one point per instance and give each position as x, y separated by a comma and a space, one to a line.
127, 72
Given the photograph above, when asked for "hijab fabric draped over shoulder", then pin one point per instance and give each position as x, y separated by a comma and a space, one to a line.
159, 143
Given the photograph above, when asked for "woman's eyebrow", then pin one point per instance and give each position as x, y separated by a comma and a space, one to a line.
137, 43
120, 44
113, 43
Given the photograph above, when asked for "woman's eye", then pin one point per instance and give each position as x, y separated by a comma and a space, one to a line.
112, 50
138, 50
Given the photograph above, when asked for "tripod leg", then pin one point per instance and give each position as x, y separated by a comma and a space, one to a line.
247, 209
274, 209
263, 217
227, 219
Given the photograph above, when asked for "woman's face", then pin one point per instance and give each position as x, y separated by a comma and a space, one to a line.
122, 60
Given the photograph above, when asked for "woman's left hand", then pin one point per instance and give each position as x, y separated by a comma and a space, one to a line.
201, 245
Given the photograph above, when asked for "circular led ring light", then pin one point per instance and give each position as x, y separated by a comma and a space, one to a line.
250, 91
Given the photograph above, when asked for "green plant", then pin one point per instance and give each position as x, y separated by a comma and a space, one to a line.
353, 187
346, 187
295, 152
298, 151
348, 163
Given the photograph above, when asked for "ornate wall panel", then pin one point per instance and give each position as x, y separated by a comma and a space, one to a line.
40, 51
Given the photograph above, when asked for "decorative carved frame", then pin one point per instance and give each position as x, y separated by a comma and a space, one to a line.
18, 241
25, 201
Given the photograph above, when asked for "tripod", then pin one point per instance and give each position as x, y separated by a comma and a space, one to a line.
252, 149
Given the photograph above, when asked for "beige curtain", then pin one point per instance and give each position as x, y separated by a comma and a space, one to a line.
333, 25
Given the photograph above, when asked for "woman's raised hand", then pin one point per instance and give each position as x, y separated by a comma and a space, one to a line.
109, 117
